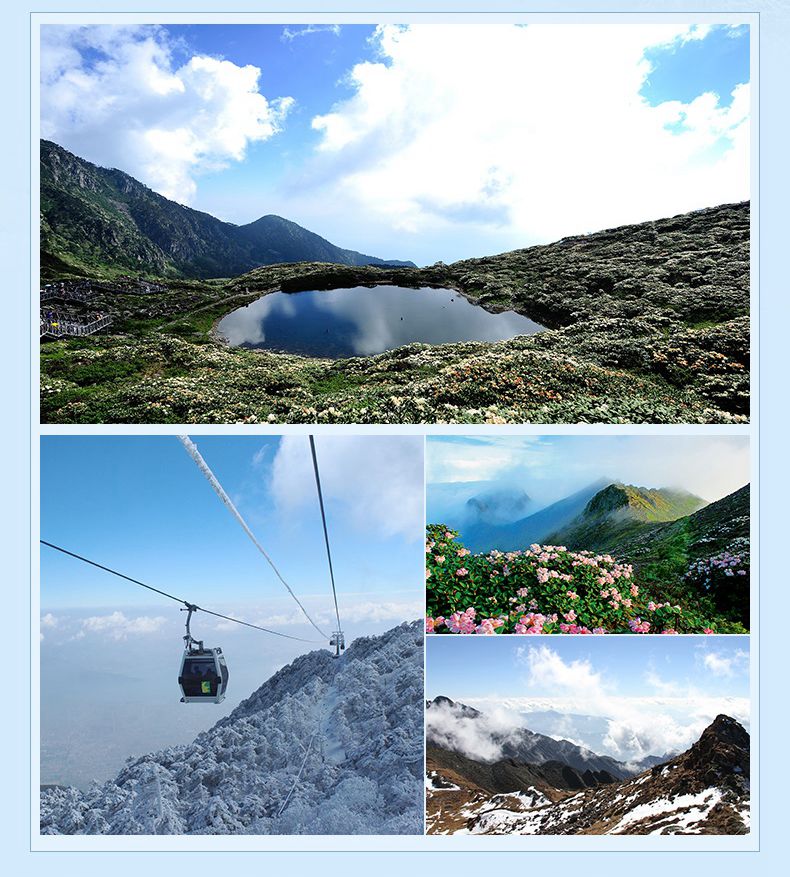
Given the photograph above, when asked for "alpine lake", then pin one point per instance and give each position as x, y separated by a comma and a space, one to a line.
364, 321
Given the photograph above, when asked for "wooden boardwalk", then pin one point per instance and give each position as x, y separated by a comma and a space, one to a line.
54, 325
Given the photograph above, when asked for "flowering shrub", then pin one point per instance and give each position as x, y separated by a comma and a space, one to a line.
543, 589
625, 358
724, 578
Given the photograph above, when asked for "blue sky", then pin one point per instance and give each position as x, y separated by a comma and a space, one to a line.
623, 696
628, 665
420, 142
717, 63
140, 505
551, 467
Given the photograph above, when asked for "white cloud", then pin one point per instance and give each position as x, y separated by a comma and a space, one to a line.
135, 107
481, 738
118, 626
707, 466
634, 728
48, 621
483, 458
547, 670
668, 719
290, 34
384, 610
662, 686
725, 665
538, 130
377, 479
354, 610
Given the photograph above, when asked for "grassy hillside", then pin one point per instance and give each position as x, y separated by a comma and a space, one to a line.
709, 551
648, 324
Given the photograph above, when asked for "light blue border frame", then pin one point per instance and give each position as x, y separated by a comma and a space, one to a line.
21, 448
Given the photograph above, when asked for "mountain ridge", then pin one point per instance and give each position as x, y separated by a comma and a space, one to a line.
95, 220
620, 508
704, 790
516, 743
519, 534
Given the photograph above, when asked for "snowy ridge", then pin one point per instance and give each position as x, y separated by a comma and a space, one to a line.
361, 775
705, 790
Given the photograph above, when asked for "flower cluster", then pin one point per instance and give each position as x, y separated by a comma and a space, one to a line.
729, 565
463, 622
723, 579
545, 589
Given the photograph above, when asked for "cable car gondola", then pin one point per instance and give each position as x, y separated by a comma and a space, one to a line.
203, 677
338, 642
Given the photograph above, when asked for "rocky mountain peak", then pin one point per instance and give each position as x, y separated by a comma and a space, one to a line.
721, 754
459, 709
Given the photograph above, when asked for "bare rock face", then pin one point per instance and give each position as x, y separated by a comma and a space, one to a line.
355, 723
720, 756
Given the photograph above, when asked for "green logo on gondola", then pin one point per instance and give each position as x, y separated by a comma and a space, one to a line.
205, 687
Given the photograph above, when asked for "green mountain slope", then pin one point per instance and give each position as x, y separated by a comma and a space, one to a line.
532, 528
100, 221
619, 510
707, 552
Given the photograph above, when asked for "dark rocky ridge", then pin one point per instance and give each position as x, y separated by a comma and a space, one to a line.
705, 790
510, 774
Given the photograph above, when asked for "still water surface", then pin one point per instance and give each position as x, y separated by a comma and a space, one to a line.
362, 321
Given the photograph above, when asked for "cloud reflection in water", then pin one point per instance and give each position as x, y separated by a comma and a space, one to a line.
364, 321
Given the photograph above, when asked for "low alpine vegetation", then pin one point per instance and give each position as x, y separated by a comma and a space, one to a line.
547, 589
